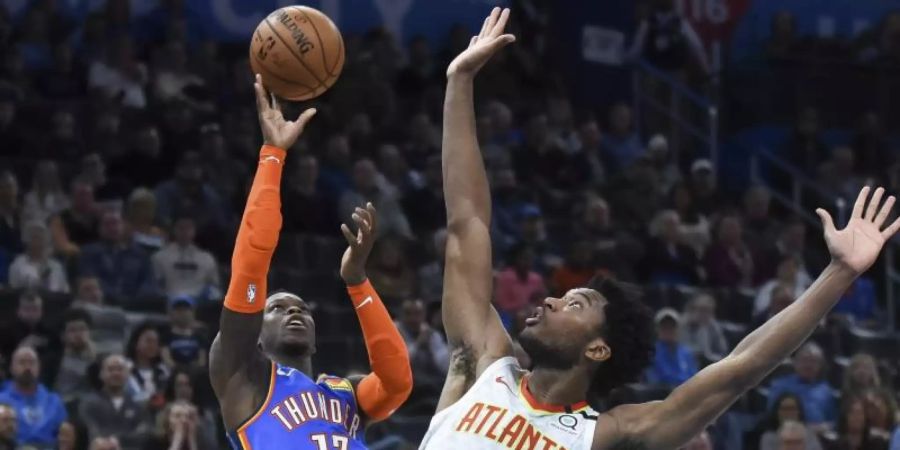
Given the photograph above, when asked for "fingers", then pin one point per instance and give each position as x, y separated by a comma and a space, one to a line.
873, 204
484, 27
296, 127
275, 105
262, 102
492, 21
503, 41
348, 235
884, 212
500, 24
827, 221
363, 220
892, 229
373, 220
860, 203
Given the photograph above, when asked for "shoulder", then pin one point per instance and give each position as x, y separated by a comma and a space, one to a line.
339, 384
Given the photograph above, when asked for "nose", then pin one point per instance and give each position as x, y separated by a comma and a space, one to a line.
551, 303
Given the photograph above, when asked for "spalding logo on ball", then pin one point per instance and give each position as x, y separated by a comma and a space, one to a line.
298, 51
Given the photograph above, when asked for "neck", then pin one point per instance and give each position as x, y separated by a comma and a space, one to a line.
113, 391
27, 389
558, 387
301, 363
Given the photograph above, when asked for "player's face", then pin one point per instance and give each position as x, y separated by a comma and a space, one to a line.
288, 325
564, 332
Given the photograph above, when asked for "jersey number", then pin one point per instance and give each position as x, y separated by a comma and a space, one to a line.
338, 442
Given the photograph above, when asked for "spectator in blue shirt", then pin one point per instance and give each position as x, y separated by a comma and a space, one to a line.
858, 303
40, 412
123, 268
807, 383
674, 363
895, 440
621, 145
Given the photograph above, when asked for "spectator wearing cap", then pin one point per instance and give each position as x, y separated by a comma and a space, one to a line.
518, 285
704, 190
10, 232
9, 424
122, 267
112, 411
40, 411
35, 268
673, 363
78, 353
109, 325
369, 186
808, 383
183, 268
184, 340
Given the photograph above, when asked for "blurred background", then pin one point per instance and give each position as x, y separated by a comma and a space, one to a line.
678, 144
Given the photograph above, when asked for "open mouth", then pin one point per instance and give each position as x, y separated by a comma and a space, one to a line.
535, 317
296, 324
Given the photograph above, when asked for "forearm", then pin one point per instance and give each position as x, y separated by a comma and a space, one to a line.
257, 236
467, 194
776, 339
381, 392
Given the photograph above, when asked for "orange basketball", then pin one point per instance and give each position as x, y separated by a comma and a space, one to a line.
298, 51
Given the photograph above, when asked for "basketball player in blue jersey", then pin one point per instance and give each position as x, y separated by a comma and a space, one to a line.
260, 362
595, 338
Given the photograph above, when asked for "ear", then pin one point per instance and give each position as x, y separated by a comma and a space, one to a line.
598, 351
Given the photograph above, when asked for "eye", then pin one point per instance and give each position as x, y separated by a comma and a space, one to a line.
574, 305
277, 308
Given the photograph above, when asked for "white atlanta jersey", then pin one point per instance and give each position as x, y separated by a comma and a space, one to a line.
498, 412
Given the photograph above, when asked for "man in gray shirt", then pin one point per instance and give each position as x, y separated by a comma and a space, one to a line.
111, 411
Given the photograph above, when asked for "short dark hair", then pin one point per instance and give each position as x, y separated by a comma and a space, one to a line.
76, 315
628, 330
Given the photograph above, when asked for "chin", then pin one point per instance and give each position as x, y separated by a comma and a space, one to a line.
297, 346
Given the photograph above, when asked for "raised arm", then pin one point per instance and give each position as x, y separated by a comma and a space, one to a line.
382, 391
474, 332
235, 361
694, 405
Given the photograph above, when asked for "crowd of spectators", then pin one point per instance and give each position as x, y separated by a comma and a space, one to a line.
125, 166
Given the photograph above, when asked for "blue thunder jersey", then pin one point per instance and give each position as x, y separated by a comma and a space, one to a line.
302, 414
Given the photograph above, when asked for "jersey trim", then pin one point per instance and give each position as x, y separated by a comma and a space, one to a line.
536, 405
242, 430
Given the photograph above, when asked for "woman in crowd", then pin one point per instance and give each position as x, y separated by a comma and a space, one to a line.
148, 374
191, 387
853, 428
787, 408
701, 331
178, 428
860, 376
46, 197
35, 268
140, 215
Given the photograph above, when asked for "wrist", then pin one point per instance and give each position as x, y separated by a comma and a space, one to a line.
842, 271
457, 76
356, 280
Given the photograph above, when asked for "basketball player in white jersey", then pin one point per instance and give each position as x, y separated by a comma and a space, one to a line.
594, 338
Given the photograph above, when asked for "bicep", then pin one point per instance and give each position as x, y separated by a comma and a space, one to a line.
229, 354
689, 409
469, 318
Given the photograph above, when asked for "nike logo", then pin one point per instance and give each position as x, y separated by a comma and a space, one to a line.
271, 159
503, 382
364, 302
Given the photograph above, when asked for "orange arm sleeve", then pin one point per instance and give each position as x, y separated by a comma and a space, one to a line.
257, 236
381, 392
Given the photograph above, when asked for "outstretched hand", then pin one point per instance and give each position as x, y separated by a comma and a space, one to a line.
277, 131
359, 245
482, 47
857, 245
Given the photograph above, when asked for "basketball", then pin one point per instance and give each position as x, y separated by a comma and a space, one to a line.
298, 51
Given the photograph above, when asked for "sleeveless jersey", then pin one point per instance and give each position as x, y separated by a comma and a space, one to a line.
302, 414
498, 412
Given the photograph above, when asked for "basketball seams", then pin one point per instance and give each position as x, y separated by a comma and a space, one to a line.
319, 37
340, 58
273, 74
291, 50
